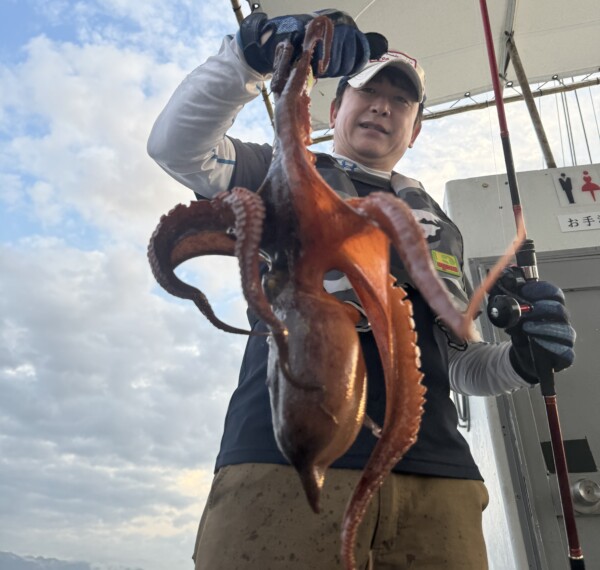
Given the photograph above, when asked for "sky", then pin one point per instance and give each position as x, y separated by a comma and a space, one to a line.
112, 393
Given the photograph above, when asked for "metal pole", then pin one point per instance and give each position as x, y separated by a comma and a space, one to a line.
533, 112
237, 10
527, 261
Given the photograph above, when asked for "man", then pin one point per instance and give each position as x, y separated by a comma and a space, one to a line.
428, 512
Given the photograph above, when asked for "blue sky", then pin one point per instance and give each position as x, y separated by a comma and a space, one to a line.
112, 394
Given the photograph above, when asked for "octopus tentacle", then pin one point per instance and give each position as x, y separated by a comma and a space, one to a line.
404, 409
249, 212
494, 273
397, 220
319, 30
282, 65
182, 234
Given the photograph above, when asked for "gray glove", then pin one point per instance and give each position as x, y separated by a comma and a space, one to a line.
546, 324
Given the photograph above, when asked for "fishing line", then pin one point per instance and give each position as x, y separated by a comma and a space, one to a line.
364, 10
594, 110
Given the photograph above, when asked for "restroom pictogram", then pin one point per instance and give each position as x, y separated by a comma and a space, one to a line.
588, 185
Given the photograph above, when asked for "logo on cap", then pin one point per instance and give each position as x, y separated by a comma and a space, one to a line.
390, 55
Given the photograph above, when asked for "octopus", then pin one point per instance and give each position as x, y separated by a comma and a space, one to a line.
300, 228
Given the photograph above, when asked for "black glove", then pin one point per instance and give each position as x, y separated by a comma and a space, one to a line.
545, 324
349, 48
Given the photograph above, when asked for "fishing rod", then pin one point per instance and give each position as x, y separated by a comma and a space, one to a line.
526, 260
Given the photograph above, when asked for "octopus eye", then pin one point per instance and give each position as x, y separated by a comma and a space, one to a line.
273, 282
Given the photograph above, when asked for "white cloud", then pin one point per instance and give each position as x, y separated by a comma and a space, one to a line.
92, 151
96, 104
113, 393
113, 401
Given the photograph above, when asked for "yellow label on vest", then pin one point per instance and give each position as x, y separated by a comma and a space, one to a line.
445, 262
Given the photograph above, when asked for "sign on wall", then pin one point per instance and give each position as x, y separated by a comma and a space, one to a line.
578, 186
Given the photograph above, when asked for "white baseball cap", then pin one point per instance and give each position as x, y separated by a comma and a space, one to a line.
405, 63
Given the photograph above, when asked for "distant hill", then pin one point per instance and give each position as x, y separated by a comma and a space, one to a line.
10, 561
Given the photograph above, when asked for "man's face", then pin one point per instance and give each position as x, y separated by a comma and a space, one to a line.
375, 124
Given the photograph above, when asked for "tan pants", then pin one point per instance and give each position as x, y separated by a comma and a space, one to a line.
257, 518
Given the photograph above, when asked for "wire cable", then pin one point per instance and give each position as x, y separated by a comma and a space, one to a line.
568, 129
364, 10
560, 135
594, 111
587, 144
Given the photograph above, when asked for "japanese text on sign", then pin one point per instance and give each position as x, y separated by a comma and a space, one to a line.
579, 222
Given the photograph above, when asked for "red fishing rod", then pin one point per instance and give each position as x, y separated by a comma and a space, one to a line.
526, 260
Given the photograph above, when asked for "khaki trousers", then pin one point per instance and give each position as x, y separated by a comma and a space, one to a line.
257, 518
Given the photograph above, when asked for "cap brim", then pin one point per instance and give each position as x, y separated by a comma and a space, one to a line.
364, 76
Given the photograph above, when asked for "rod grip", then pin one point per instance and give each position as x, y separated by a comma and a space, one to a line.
527, 261
543, 368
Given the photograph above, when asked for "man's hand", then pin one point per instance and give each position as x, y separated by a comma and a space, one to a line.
545, 324
258, 38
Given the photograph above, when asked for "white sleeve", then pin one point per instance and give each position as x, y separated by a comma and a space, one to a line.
188, 139
483, 369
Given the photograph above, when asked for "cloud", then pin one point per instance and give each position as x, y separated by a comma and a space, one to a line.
93, 106
113, 399
82, 327
113, 394
90, 156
